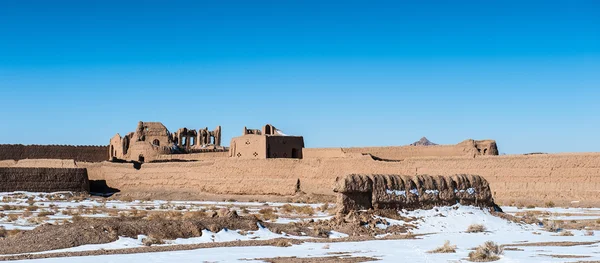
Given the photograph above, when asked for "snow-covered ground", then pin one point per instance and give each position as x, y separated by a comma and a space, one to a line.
21, 210
435, 226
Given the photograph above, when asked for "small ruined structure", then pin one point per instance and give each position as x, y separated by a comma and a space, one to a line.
151, 139
266, 143
378, 191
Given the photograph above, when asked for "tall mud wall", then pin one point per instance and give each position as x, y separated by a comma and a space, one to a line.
529, 179
43, 179
77, 153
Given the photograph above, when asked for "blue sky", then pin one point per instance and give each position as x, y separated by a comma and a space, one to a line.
340, 73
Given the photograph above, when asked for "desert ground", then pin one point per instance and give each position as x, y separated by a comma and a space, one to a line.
67, 227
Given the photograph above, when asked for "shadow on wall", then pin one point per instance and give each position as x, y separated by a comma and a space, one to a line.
100, 188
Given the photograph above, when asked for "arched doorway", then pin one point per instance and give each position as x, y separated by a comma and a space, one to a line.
156, 142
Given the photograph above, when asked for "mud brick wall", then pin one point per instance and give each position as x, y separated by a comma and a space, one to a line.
77, 153
43, 179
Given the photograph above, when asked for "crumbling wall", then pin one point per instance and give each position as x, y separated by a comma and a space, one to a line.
43, 179
77, 153
470, 148
379, 191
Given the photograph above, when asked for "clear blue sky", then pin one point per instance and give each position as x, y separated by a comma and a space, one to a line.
340, 73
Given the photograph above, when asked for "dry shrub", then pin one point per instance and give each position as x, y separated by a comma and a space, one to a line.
321, 231
30, 201
282, 243
446, 248
287, 208
194, 214
3, 232
268, 214
324, 207
149, 241
12, 217
566, 233
27, 213
326, 246
8, 208
530, 206
180, 207
589, 233
37, 219
126, 198
489, 251
77, 218
476, 228
549, 204
46, 213
552, 226
307, 210
32, 208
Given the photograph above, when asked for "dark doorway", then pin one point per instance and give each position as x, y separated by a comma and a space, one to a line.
156, 142
295, 153
141, 158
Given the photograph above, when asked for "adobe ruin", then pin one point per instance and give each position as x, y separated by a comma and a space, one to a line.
269, 142
151, 139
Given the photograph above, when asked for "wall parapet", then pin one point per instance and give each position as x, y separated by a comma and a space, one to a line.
83, 153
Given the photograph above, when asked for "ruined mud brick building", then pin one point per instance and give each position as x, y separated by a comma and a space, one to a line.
268, 143
192, 163
151, 139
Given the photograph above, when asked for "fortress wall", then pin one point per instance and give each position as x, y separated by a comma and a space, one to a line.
403, 152
43, 179
530, 179
323, 153
39, 163
78, 153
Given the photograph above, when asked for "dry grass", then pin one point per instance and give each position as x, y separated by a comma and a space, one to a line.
566, 233
553, 226
46, 213
282, 243
149, 241
489, 251
306, 210
589, 233
476, 228
268, 214
446, 248
3, 232
12, 217
549, 204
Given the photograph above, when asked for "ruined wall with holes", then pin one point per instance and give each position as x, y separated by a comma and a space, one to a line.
384, 191
78, 153
43, 179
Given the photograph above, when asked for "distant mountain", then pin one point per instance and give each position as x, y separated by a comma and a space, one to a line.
423, 142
